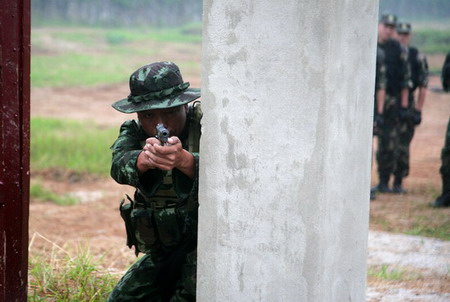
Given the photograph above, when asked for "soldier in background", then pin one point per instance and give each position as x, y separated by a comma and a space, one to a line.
379, 97
396, 101
444, 199
445, 74
418, 68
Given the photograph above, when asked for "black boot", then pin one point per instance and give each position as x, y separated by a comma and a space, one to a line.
397, 188
383, 186
442, 201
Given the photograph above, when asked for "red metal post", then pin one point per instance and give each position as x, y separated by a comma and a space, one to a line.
14, 148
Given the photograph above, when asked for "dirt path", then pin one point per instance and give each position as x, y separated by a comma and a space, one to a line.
96, 220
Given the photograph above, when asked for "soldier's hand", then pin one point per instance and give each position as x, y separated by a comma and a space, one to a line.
379, 120
164, 157
416, 117
403, 114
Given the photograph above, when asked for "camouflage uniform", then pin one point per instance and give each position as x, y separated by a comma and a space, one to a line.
445, 74
418, 67
397, 75
161, 219
380, 84
444, 199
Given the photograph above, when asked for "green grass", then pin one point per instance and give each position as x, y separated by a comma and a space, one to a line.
71, 69
432, 41
39, 192
69, 278
87, 56
71, 145
384, 273
439, 231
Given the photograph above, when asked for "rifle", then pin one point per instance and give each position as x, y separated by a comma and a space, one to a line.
162, 133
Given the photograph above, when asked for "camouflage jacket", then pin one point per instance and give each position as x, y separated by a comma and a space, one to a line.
397, 69
129, 144
380, 70
419, 68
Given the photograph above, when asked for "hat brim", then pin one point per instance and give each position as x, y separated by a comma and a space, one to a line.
403, 32
127, 106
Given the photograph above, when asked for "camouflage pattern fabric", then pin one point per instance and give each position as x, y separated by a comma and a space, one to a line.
397, 70
388, 138
398, 78
156, 86
160, 277
445, 166
164, 217
419, 78
405, 132
380, 70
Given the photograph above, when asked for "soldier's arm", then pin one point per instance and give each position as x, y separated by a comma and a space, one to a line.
125, 152
381, 96
406, 77
423, 81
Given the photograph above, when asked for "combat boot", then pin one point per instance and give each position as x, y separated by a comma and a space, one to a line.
442, 201
397, 187
383, 186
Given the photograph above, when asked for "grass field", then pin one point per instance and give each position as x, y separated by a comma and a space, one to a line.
71, 145
79, 56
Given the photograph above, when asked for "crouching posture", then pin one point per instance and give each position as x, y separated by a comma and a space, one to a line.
161, 218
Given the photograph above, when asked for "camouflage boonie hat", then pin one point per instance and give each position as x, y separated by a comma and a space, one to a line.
389, 19
156, 86
403, 28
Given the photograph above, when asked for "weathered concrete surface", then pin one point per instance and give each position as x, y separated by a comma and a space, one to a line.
288, 102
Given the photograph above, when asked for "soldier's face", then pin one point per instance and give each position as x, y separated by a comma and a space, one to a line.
404, 38
174, 119
386, 31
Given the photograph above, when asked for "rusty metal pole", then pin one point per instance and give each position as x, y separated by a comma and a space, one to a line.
14, 148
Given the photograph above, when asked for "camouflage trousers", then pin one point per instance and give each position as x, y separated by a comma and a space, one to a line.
405, 136
160, 277
445, 166
388, 139
394, 140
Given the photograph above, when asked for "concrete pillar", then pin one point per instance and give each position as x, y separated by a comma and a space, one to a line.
286, 149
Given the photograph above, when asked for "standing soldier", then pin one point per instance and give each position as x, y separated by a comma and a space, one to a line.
158, 155
418, 67
396, 101
380, 95
444, 199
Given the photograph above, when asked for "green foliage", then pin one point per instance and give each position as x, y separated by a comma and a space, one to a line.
90, 56
73, 69
432, 41
39, 192
75, 146
190, 33
68, 278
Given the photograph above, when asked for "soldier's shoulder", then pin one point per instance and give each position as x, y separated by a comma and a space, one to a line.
393, 43
413, 50
133, 124
195, 110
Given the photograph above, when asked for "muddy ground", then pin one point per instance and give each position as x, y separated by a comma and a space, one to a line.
95, 222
